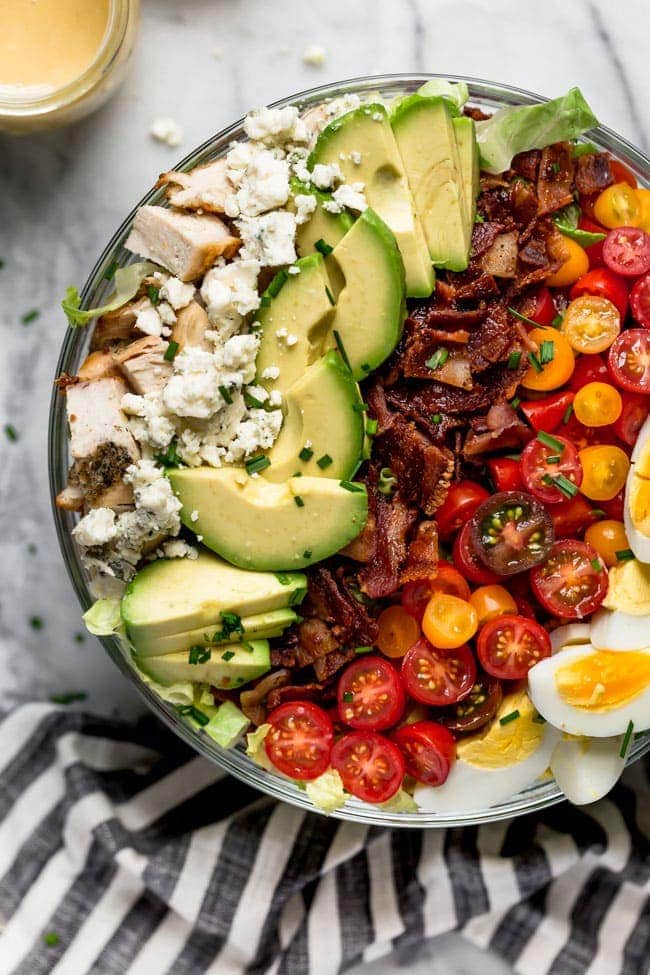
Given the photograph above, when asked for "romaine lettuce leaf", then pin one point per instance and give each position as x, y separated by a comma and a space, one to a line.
127, 281
517, 129
326, 792
103, 618
255, 746
455, 93
227, 724
402, 801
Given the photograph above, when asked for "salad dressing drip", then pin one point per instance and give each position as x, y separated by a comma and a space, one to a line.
46, 44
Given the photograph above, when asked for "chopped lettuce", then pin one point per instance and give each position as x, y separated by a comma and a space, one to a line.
517, 129
255, 746
402, 801
326, 792
566, 221
127, 282
227, 724
103, 618
455, 93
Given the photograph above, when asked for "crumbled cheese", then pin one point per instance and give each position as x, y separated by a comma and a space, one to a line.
271, 372
305, 206
177, 292
237, 359
275, 398
355, 157
147, 421
281, 333
314, 55
193, 389
148, 320
326, 175
261, 185
96, 528
167, 130
178, 549
331, 206
217, 53
230, 292
153, 493
269, 239
194, 515
167, 316
291, 340
275, 126
341, 106
258, 430
351, 195
258, 393
300, 170
294, 269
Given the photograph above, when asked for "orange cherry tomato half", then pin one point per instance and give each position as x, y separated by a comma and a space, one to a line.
416, 595
490, 602
591, 324
604, 471
397, 631
553, 363
448, 621
575, 262
643, 196
608, 538
618, 206
598, 404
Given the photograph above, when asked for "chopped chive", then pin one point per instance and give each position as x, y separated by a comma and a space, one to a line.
341, 348
252, 402
515, 403
555, 167
436, 418
199, 655
567, 413
546, 352
550, 441
257, 463
30, 316
11, 433
324, 461
330, 296
51, 939
227, 655
360, 407
68, 698
371, 427
567, 487
298, 501
351, 486
323, 247
557, 321
231, 623
277, 284
284, 578
248, 646
626, 739
109, 273
534, 361
553, 459
507, 718
36, 623
624, 555
514, 456
307, 553
348, 696
170, 458
225, 393
365, 367
199, 716
363, 649
595, 565
306, 454
153, 294
438, 359
597, 513
514, 359
170, 351
478, 218
523, 318
265, 301
297, 474
79, 638
2, 263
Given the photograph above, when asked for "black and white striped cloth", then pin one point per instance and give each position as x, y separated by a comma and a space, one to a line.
122, 853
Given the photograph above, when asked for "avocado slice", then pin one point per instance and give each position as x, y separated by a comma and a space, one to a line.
170, 596
302, 304
368, 275
427, 143
470, 170
263, 626
322, 225
367, 131
229, 665
263, 526
323, 428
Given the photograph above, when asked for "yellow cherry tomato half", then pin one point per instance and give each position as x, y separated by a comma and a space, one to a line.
553, 363
597, 404
643, 196
618, 206
574, 259
492, 601
608, 537
591, 324
398, 631
604, 471
448, 621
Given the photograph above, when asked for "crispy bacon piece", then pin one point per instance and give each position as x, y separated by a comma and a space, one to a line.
252, 700
422, 560
500, 429
476, 113
423, 469
594, 173
335, 604
493, 341
481, 288
315, 639
495, 203
483, 236
299, 692
394, 520
526, 164
555, 180
326, 667
361, 548
500, 260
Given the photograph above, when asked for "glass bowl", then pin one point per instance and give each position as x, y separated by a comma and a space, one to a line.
75, 346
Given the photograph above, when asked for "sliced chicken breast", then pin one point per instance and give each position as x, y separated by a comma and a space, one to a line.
143, 364
186, 244
204, 188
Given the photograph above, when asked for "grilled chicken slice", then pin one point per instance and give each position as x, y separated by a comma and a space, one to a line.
143, 364
71, 498
116, 327
186, 244
204, 188
98, 365
191, 325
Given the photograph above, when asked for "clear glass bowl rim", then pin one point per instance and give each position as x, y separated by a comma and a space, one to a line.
539, 796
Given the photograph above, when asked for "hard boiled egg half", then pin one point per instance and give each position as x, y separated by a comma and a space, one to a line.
587, 768
496, 762
636, 512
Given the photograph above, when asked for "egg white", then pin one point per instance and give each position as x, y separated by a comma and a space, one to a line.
587, 768
642, 436
569, 635
616, 630
639, 543
581, 721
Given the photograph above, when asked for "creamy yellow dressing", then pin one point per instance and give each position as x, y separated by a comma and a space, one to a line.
46, 44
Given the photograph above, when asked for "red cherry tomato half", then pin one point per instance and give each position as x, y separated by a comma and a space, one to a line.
467, 561
640, 301
463, 498
594, 251
540, 307
416, 595
547, 414
370, 694
438, 677
588, 369
505, 473
543, 463
622, 173
573, 516
299, 743
572, 582
629, 360
603, 283
626, 251
371, 767
636, 407
510, 645
429, 751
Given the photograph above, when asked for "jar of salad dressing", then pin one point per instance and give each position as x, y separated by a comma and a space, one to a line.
61, 59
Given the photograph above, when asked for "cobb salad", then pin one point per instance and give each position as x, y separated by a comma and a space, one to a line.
361, 450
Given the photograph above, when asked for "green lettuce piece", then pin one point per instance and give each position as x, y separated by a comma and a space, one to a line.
127, 282
255, 747
566, 221
181, 694
455, 93
326, 792
103, 618
227, 724
402, 801
517, 129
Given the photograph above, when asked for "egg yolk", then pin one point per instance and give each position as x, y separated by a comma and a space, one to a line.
604, 680
499, 745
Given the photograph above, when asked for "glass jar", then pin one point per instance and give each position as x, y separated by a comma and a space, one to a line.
41, 106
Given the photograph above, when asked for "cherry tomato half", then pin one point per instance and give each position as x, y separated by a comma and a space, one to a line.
547, 414
608, 537
509, 646
438, 677
490, 602
589, 369
591, 324
467, 561
370, 694
299, 742
463, 498
448, 621
618, 206
429, 751
397, 631
371, 767
572, 516
539, 307
604, 471
643, 196
416, 595
511, 531
634, 412
640, 301
614, 508
622, 173
603, 283
629, 360
626, 251
475, 710
598, 404
572, 583
554, 361
574, 259
505, 473
545, 463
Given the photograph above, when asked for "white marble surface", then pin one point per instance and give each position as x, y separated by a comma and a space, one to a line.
62, 195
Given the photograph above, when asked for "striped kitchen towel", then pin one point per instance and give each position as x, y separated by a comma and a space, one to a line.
122, 853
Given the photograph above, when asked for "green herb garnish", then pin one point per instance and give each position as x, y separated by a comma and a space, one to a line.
170, 351
626, 740
330, 296
523, 318
170, 458
624, 555
371, 427
257, 463
298, 501
199, 655
323, 247
348, 696
69, 697
363, 649
227, 655
507, 718
191, 712
352, 487
438, 359
30, 316
11, 433
307, 553
109, 273
387, 482
550, 441
283, 578
546, 352
277, 284
534, 361
51, 939
562, 483
341, 348
595, 565
567, 413
436, 418
153, 294
225, 393
306, 454
36, 622
324, 461
231, 623
252, 402
514, 359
